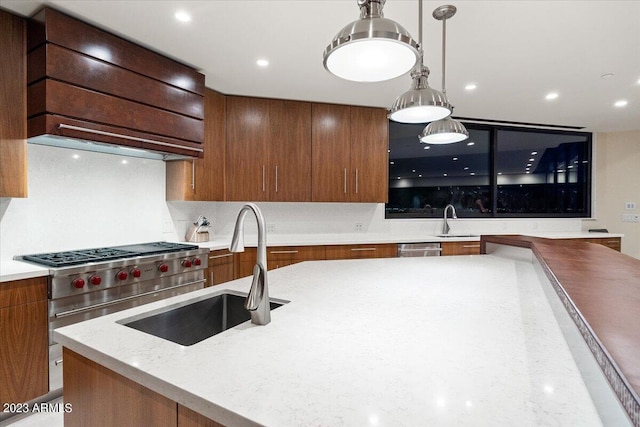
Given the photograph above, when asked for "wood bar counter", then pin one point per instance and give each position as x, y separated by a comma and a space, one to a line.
600, 288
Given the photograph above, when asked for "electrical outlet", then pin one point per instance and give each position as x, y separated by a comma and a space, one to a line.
630, 205
271, 228
630, 217
358, 226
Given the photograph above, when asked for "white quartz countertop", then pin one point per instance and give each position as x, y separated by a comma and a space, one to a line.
460, 341
18, 270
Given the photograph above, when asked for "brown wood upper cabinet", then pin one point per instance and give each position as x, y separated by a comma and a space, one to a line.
350, 154
202, 179
268, 150
13, 106
87, 83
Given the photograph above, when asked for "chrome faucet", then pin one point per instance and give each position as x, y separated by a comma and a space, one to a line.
445, 225
258, 299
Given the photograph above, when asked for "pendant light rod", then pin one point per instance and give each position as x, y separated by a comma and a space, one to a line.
443, 13
420, 26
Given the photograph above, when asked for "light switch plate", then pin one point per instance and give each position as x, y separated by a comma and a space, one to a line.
630, 205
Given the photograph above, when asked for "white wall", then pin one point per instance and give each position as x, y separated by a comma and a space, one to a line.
617, 181
80, 199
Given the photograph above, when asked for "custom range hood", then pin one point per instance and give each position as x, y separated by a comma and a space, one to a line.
89, 89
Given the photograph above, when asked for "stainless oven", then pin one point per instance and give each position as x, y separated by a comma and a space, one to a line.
90, 283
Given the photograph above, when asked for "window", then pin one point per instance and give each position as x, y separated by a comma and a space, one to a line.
498, 172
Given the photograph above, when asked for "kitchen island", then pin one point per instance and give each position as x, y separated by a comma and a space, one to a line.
471, 340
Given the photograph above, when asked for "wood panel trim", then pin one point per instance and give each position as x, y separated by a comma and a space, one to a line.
190, 418
58, 63
48, 124
74, 34
72, 101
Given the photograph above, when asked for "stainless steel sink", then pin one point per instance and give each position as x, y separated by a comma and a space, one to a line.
456, 235
191, 322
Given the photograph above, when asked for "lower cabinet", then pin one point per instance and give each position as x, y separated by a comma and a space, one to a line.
221, 267
460, 248
24, 366
100, 396
279, 256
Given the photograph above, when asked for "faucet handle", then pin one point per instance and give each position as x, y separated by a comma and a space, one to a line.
257, 288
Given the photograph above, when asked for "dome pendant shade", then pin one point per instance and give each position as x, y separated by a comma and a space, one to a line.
372, 48
420, 104
445, 131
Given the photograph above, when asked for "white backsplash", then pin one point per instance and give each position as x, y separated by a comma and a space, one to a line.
80, 199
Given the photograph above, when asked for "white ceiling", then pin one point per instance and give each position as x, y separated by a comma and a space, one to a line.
515, 51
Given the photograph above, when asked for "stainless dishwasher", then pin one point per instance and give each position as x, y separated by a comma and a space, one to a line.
418, 249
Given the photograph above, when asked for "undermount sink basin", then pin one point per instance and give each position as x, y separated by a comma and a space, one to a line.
456, 235
191, 322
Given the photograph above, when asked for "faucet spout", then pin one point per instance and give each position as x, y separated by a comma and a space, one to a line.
445, 224
258, 299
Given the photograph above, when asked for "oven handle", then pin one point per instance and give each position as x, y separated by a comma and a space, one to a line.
114, 302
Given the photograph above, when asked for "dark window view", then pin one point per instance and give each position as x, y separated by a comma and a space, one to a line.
424, 178
543, 173
498, 172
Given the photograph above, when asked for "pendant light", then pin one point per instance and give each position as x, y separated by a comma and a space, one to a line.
420, 104
372, 48
447, 130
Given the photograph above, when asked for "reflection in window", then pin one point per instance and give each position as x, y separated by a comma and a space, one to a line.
543, 173
498, 172
424, 178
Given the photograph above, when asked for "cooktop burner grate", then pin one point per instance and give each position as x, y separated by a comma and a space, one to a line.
84, 256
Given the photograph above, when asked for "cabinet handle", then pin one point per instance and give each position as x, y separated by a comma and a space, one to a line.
58, 362
362, 249
220, 256
263, 180
470, 246
283, 252
193, 174
211, 279
132, 138
276, 178
345, 180
356, 181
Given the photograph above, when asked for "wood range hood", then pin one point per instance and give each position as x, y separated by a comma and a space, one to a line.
89, 89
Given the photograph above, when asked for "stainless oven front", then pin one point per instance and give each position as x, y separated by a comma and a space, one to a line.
77, 308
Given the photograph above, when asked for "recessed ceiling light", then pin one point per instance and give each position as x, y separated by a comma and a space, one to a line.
472, 173
444, 174
499, 173
427, 147
606, 75
532, 160
621, 103
182, 16
262, 62
471, 143
551, 95
419, 176
124, 162
455, 158
76, 156
528, 172
413, 170
398, 177
471, 86
393, 163
466, 168
533, 153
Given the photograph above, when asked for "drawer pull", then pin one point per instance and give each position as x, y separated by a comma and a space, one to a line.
471, 246
362, 249
283, 252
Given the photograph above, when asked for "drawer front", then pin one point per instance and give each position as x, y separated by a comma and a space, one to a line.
296, 253
362, 251
610, 242
461, 248
220, 257
25, 291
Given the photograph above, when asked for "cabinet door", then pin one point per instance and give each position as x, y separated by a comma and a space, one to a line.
23, 340
331, 136
369, 155
289, 147
221, 267
13, 107
248, 132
